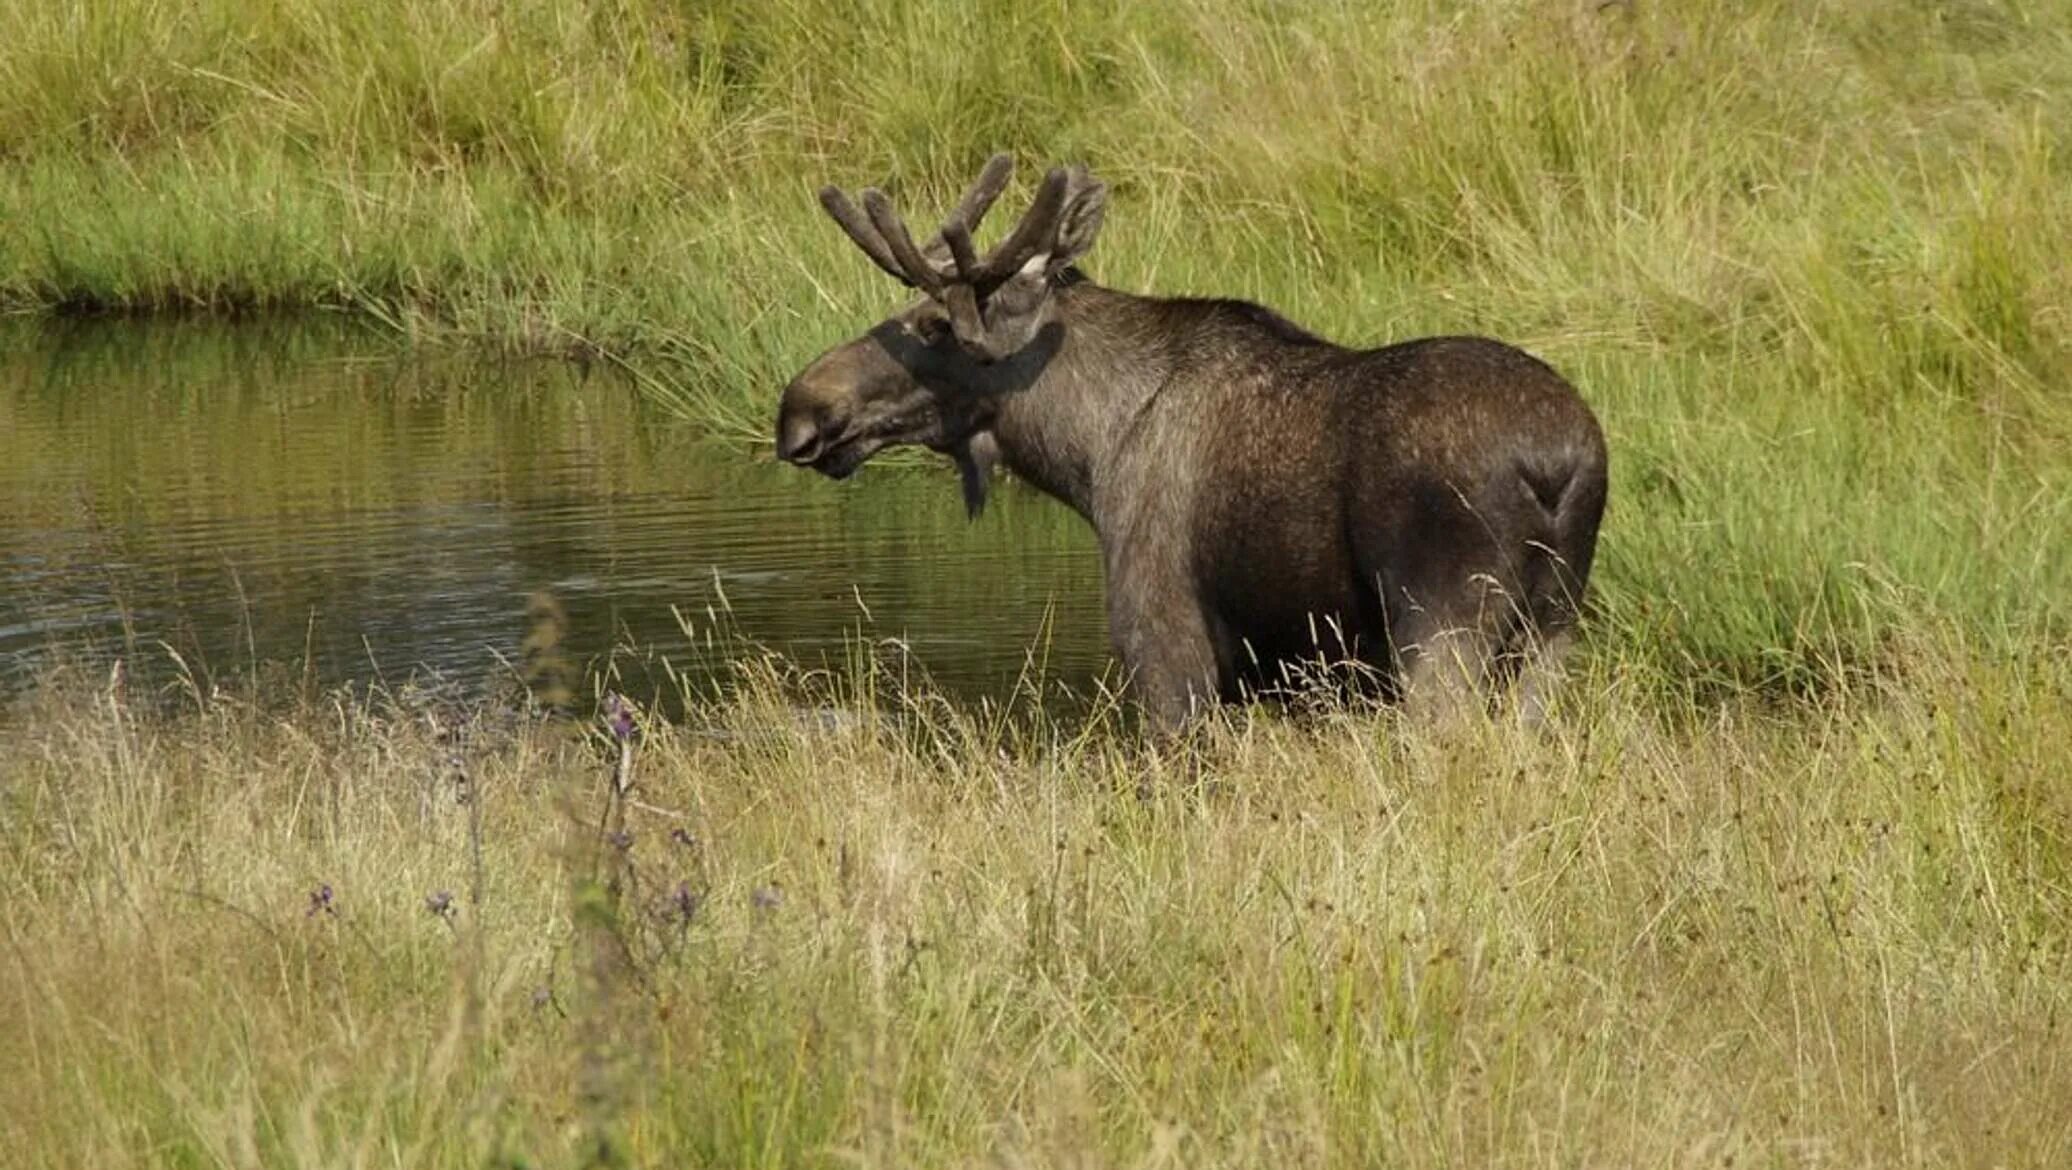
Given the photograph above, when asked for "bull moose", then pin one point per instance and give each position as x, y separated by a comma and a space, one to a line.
1265, 500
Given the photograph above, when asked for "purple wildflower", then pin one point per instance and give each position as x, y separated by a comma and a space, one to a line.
619, 839
439, 903
684, 902
618, 715
320, 902
684, 837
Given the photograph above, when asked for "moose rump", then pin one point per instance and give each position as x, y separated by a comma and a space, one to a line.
1410, 529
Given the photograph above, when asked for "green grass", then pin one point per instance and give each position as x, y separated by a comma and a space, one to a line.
1787, 884
1836, 936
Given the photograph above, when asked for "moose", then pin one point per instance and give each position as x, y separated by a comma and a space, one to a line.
1420, 516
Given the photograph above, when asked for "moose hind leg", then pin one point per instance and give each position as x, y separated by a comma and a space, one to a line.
1546, 633
1540, 674
1443, 669
1445, 657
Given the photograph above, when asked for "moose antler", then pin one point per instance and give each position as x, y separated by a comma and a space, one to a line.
1034, 234
883, 235
983, 191
860, 230
893, 231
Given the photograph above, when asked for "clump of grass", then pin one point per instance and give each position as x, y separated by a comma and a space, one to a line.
924, 936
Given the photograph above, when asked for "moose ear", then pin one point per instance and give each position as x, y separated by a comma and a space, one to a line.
1079, 222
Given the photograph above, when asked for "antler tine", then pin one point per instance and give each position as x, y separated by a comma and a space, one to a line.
957, 234
1033, 233
860, 230
894, 230
978, 199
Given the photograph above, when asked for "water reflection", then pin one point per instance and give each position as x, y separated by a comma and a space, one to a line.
310, 494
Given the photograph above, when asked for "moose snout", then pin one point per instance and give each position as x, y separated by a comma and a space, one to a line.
800, 438
811, 420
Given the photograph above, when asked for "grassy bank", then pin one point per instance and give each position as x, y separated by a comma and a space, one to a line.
1867, 197
363, 933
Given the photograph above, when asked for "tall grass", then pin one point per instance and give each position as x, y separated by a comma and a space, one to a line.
1876, 196
375, 932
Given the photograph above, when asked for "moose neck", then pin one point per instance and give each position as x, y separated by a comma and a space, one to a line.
1062, 431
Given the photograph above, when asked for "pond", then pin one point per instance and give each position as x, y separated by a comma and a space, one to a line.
201, 498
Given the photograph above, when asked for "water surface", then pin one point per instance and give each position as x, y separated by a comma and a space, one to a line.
224, 495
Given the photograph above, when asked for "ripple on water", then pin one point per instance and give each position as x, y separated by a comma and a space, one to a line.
308, 494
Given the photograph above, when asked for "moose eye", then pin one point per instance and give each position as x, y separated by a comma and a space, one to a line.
932, 330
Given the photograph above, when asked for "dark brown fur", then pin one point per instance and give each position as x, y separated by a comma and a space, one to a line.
1424, 512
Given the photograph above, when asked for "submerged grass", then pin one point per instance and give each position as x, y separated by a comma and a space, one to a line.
369, 932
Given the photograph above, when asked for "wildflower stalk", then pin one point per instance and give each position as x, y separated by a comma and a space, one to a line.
608, 962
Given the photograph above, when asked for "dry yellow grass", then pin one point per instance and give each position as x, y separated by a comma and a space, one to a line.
1826, 934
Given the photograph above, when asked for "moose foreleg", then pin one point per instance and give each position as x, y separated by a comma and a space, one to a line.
1166, 645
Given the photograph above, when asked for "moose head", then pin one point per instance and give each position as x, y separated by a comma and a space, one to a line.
933, 373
